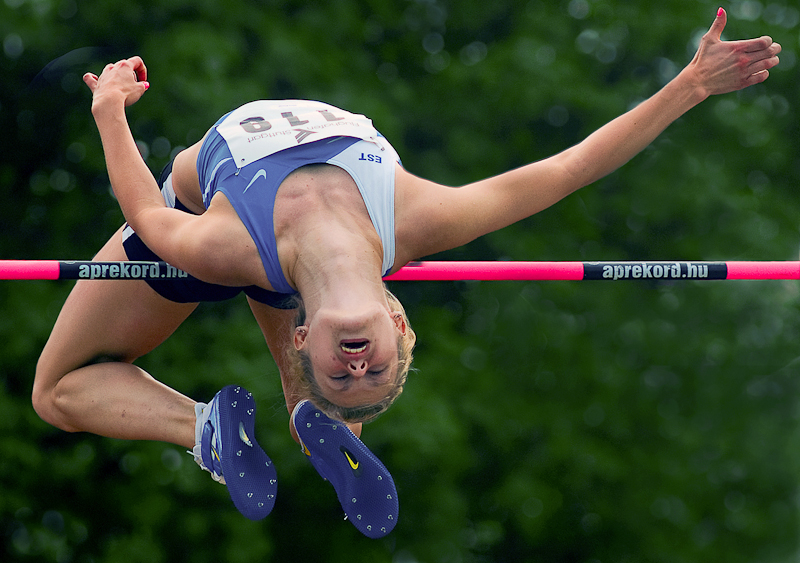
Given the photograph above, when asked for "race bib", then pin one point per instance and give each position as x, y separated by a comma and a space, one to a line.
262, 128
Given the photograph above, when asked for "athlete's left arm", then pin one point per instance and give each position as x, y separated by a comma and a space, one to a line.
184, 240
120, 85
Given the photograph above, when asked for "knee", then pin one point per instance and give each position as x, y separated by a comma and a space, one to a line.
44, 405
43, 397
52, 385
55, 386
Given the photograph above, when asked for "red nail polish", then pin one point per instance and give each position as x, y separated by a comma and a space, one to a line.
720, 12
146, 85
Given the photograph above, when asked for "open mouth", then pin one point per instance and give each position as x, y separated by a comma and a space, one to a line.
354, 347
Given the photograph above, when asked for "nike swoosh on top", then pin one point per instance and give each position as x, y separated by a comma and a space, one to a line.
350, 459
260, 174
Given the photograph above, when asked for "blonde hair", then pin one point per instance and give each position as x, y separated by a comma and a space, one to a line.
303, 371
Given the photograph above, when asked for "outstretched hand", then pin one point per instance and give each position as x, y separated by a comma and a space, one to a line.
124, 81
726, 66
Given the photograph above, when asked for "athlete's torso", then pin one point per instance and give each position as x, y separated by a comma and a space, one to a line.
251, 151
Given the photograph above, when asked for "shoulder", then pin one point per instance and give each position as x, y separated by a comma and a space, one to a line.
220, 249
185, 179
426, 216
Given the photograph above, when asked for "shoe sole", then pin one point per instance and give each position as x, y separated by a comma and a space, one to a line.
249, 473
363, 485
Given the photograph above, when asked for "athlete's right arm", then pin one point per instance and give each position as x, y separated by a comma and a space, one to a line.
436, 218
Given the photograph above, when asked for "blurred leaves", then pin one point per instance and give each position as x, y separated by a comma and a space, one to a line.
549, 421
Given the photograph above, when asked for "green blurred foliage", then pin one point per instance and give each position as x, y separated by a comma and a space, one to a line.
557, 421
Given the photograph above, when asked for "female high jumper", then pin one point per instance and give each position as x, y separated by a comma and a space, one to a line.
301, 200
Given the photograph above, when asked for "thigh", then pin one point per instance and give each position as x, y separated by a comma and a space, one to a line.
108, 319
277, 325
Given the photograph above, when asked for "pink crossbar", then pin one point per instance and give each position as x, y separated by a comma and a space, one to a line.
763, 270
30, 270
488, 271
420, 271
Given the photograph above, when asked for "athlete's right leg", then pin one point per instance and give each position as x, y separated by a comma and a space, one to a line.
85, 379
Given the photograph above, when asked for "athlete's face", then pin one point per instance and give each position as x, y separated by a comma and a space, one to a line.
354, 355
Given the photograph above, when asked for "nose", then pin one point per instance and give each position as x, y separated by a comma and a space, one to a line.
358, 368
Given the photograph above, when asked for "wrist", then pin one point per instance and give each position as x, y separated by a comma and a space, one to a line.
692, 86
107, 104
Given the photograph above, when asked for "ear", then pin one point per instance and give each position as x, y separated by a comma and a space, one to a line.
399, 322
300, 334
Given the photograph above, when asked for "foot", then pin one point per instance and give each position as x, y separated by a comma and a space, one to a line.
225, 446
365, 488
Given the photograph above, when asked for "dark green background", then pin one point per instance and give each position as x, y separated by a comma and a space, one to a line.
553, 421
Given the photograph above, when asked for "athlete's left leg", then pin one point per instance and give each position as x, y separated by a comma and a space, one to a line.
85, 378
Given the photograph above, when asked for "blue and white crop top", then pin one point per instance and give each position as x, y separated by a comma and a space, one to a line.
251, 150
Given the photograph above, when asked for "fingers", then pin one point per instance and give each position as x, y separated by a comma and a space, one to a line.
732, 65
759, 44
719, 25
118, 72
90, 80
758, 77
138, 67
761, 62
763, 65
135, 64
765, 58
126, 80
756, 54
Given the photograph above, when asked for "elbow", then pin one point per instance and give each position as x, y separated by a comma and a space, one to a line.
575, 171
